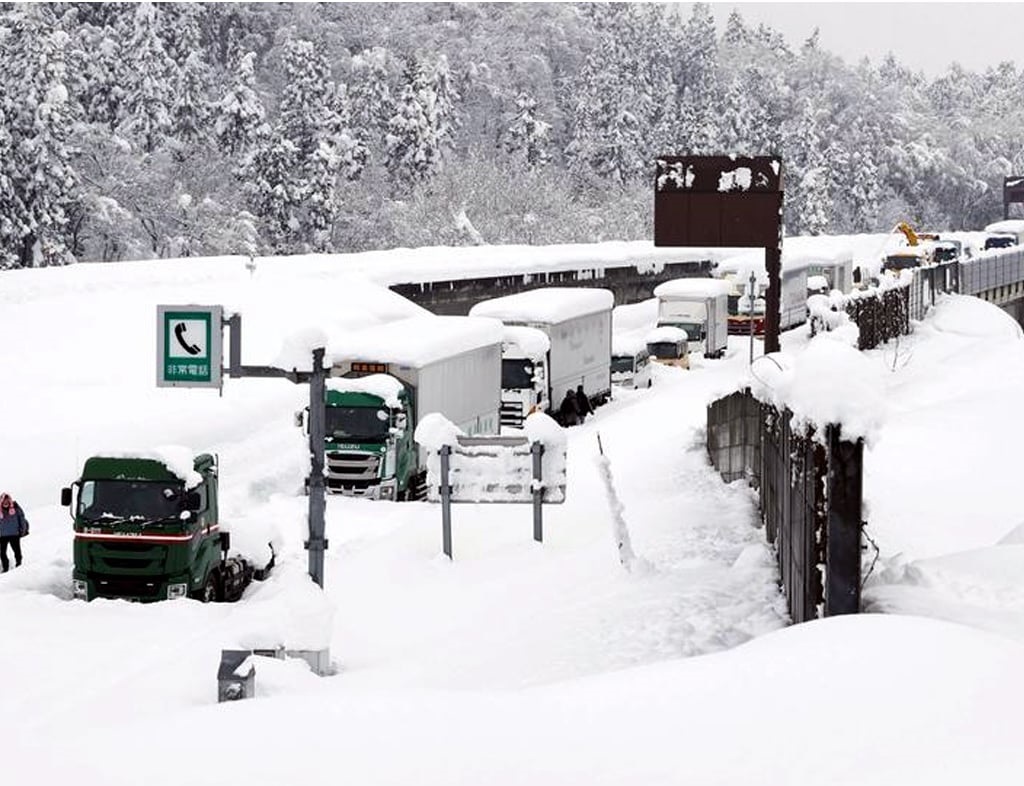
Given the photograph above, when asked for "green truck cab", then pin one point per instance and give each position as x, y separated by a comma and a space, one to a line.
147, 529
369, 449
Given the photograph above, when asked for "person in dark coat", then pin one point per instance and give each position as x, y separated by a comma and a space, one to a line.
569, 411
13, 527
582, 403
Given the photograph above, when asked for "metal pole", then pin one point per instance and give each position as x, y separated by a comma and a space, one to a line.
317, 543
773, 297
753, 284
537, 449
446, 502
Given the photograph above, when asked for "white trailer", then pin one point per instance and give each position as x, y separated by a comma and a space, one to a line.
450, 365
578, 325
700, 306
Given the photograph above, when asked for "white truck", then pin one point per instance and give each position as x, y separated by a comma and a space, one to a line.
700, 306
524, 373
578, 326
385, 379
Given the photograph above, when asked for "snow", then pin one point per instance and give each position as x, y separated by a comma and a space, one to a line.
383, 386
817, 283
1012, 226
435, 431
692, 287
518, 661
178, 459
738, 179
666, 334
417, 341
551, 305
629, 343
527, 342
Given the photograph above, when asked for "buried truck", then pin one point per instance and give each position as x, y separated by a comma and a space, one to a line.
385, 379
147, 528
699, 306
578, 325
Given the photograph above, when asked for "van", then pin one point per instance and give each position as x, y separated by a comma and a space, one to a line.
669, 345
632, 369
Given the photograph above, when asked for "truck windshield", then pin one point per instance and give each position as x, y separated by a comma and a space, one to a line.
516, 374
622, 364
367, 424
694, 330
147, 500
666, 349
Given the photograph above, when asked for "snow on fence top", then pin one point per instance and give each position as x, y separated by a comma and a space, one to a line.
529, 342
549, 306
692, 287
178, 460
383, 386
418, 341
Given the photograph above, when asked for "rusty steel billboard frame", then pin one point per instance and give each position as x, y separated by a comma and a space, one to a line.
724, 201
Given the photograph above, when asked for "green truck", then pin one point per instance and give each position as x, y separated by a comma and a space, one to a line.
147, 528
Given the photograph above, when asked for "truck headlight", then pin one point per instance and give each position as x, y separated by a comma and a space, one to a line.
175, 591
80, 589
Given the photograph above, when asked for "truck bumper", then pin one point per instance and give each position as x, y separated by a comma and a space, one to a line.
385, 489
141, 589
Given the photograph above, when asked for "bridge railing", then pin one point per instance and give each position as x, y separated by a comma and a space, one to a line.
991, 270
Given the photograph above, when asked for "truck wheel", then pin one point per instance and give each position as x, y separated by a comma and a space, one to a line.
208, 593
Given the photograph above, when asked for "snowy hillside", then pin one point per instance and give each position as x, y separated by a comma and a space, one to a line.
517, 662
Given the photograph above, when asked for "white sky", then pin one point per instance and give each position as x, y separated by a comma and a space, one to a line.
923, 36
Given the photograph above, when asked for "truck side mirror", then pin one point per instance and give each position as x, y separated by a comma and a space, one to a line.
401, 421
65, 497
300, 419
193, 501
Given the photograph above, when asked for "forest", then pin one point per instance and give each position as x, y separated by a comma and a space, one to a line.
167, 130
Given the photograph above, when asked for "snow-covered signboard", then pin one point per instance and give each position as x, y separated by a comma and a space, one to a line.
189, 346
718, 201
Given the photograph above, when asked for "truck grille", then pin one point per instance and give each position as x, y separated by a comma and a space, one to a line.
512, 413
352, 470
127, 587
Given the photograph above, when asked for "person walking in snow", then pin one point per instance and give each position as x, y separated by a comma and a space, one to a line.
582, 403
13, 527
569, 410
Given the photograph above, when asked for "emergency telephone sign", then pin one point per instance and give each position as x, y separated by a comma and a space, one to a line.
189, 346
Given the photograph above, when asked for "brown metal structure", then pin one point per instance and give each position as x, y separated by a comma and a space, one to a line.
723, 201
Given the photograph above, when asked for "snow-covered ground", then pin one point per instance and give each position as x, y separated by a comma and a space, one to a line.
517, 662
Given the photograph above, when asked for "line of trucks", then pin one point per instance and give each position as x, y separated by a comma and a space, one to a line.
147, 527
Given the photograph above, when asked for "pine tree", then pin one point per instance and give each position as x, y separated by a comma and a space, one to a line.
269, 177
413, 150
444, 116
40, 173
191, 109
304, 98
370, 94
240, 112
13, 214
527, 136
151, 77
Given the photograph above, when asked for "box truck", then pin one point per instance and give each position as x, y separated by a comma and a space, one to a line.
700, 306
385, 379
578, 326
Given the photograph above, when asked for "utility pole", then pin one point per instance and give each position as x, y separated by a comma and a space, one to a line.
753, 285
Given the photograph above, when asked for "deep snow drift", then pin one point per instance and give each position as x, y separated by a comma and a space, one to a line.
517, 662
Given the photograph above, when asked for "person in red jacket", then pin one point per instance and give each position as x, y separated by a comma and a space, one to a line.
13, 527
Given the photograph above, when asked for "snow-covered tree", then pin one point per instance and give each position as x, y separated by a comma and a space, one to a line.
370, 93
190, 113
304, 98
240, 112
272, 190
527, 135
151, 77
413, 150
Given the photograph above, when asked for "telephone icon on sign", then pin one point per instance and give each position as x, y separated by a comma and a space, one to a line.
179, 333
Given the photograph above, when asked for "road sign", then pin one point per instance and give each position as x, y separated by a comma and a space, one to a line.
189, 346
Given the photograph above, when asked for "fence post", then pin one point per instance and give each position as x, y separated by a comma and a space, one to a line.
842, 563
446, 501
537, 449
